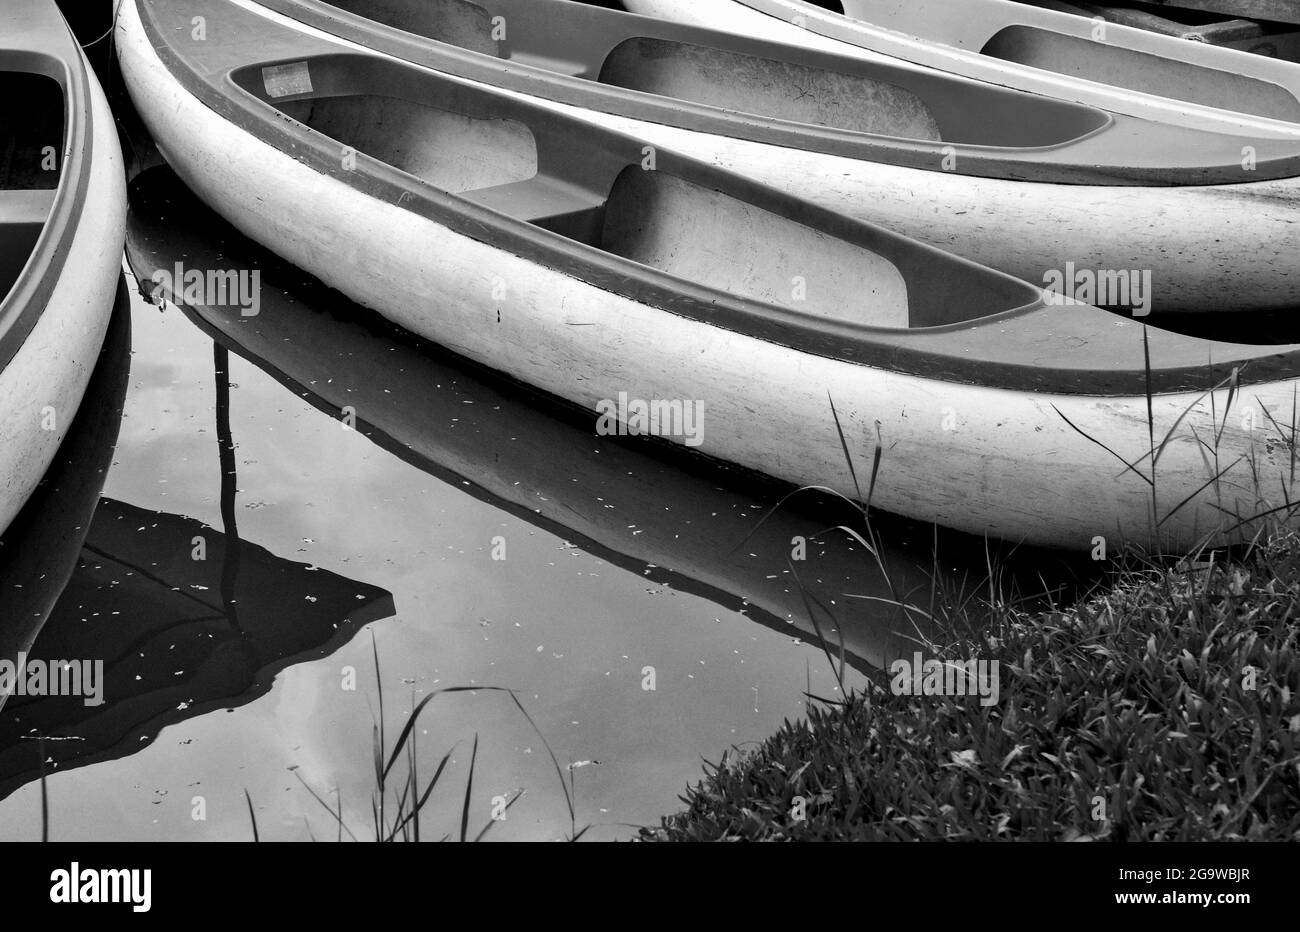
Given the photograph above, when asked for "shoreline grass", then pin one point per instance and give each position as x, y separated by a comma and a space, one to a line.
1163, 707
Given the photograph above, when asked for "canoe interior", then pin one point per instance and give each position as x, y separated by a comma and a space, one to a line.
1135, 13
722, 242
1108, 62
1112, 64
1274, 40
717, 239
31, 150
577, 41
1202, 11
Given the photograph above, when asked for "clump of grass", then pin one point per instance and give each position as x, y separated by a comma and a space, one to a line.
399, 798
1220, 476
1165, 708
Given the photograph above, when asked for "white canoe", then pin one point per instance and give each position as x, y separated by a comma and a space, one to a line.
547, 249
1121, 69
1014, 181
62, 224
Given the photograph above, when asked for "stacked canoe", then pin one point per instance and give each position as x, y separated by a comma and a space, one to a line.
1015, 181
604, 220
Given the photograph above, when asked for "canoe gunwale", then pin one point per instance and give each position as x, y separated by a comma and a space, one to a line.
940, 352
1052, 164
35, 284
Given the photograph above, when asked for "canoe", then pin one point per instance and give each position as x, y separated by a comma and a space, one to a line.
634, 505
1123, 69
1277, 11
41, 547
137, 596
667, 297
1011, 180
1275, 40
62, 223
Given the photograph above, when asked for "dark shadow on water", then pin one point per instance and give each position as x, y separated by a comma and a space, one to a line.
158, 619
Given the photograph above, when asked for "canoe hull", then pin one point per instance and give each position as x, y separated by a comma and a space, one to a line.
42, 386
978, 459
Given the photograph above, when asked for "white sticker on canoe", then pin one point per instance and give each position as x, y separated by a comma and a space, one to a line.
287, 80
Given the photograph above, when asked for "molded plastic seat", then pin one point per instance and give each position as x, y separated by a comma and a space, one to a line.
547, 202
22, 217
25, 205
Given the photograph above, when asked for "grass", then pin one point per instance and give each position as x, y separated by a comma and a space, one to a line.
1267, 515
1167, 708
1163, 706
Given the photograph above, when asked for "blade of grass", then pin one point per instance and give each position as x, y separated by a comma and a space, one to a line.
338, 817
491, 822
252, 816
469, 790
45, 798
1086, 436
844, 445
559, 772
812, 616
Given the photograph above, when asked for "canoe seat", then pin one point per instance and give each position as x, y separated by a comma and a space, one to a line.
546, 202
718, 241
1108, 63
564, 66
22, 217
25, 205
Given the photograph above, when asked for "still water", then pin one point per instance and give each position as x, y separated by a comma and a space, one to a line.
295, 491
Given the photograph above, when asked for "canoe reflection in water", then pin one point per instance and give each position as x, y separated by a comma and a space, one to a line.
41, 547
185, 619
656, 511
